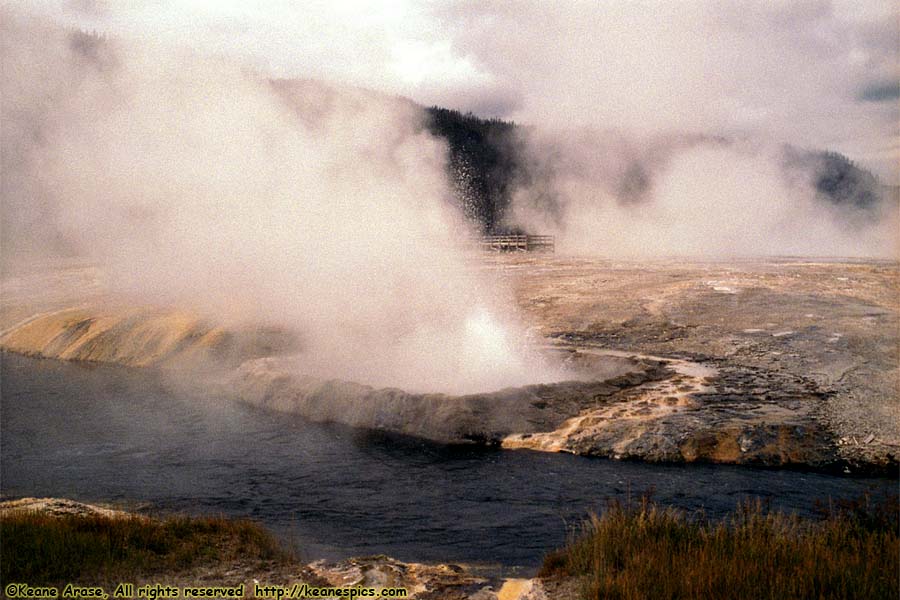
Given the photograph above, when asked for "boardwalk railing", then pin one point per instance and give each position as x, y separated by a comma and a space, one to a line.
518, 243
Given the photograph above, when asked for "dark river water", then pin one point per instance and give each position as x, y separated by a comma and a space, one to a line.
113, 434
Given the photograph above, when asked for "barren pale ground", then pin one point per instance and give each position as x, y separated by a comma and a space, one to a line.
775, 362
766, 325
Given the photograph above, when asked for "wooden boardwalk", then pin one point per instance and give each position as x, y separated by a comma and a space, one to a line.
518, 243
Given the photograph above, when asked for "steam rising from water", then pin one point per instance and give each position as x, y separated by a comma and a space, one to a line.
196, 184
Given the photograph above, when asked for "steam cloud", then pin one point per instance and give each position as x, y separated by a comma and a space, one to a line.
608, 89
196, 183
659, 127
696, 196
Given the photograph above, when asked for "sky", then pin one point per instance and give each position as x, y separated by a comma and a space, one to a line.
815, 74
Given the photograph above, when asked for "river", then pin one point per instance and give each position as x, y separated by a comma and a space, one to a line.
104, 433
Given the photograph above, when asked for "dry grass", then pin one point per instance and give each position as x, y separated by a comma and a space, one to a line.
644, 551
50, 550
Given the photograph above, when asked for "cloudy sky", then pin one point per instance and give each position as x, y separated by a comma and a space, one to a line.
813, 73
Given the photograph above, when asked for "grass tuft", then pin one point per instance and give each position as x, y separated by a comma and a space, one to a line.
42, 549
645, 551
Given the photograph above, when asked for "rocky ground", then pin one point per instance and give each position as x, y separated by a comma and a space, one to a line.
811, 343
772, 362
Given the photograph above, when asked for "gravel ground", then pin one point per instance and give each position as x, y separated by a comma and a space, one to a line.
833, 324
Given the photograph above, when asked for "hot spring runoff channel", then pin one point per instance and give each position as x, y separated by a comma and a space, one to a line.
114, 434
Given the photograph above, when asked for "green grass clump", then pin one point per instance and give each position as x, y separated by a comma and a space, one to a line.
644, 551
49, 550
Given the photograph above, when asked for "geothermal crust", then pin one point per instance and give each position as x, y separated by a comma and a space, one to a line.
806, 351
779, 363
487, 418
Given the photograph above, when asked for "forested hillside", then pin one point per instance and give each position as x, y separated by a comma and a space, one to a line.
483, 167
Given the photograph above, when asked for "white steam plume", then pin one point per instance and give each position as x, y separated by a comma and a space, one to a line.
703, 197
197, 184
